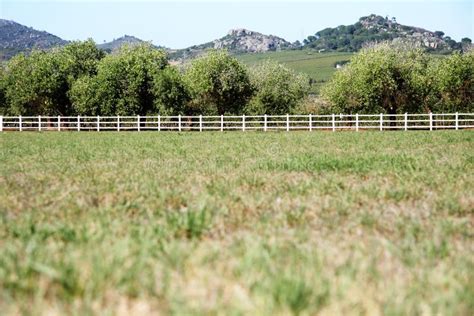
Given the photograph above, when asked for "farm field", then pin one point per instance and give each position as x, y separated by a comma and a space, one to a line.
319, 66
237, 223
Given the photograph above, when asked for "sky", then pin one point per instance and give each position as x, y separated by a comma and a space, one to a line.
182, 23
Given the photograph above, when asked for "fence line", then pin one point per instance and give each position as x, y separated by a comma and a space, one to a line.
310, 122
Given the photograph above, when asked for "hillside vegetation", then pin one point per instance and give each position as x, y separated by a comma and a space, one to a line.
318, 66
16, 38
374, 29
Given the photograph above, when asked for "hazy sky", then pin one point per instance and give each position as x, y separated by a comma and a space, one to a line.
180, 24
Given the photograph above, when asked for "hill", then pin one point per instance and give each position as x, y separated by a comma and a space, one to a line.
119, 42
16, 38
375, 28
236, 41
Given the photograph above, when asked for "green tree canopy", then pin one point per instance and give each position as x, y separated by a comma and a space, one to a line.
278, 89
453, 83
171, 94
123, 84
384, 78
219, 84
38, 84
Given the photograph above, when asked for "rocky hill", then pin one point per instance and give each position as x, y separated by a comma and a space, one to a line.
117, 43
375, 28
16, 38
237, 41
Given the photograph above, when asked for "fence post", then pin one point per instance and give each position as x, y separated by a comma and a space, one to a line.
159, 123
222, 123
118, 123
357, 122
431, 121
310, 122
243, 123
381, 121
333, 122
78, 123
138, 122
406, 121
59, 123
200, 122
179, 122
20, 123
457, 120
39, 123
1, 123
98, 123
287, 122
265, 123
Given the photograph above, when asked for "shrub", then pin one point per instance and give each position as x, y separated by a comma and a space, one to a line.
39, 83
384, 78
171, 94
278, 89
219, 84
123, 84
453, 83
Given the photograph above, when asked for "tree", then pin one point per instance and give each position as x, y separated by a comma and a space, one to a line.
35, 85
81, 59
385, 78
278, 89
171, 94
439, 34
219, 84
453, 79
3, 101
39, 84
123, 84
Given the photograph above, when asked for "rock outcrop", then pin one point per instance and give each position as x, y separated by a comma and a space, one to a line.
246, 41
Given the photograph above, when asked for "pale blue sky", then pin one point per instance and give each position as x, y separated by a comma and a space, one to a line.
180, 24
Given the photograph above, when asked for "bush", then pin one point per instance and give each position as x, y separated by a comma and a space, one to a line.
123, 84
38, 84
453, 83
35, 85
171, 94
278, 90
384, 78
219, 84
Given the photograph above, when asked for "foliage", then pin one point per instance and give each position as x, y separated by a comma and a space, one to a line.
80, 59
278, 89
3, 101
374, 29
453, 83
219, 83
395, 79
123, 84
38, 84
171, 94
35, 85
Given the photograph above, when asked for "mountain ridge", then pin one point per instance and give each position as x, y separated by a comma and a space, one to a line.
375, 28
17, 38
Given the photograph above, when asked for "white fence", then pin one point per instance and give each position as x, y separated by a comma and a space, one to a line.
430, 121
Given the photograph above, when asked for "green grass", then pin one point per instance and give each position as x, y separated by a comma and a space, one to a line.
237, 223
319, 66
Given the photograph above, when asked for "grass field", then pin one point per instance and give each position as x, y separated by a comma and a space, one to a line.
237, 223
319, 66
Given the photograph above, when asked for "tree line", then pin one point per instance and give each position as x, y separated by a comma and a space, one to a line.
392, 78
80, 79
